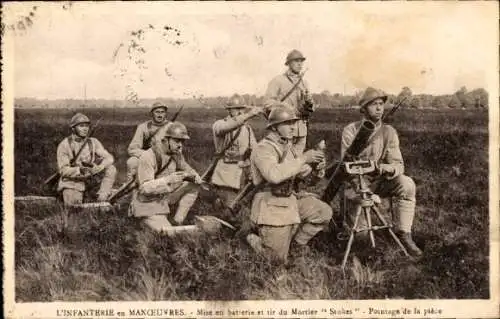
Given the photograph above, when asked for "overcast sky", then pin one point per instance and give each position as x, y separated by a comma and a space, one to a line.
239, 47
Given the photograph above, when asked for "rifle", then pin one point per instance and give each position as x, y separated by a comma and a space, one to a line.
52, 179
337, 175
131, 185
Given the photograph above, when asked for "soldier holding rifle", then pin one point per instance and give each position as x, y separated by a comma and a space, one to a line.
383, 148
162, 175
236, 139
291, 89
283, 219
82, 163
143, 136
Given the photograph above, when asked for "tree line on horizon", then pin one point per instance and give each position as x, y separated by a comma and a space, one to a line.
461, 99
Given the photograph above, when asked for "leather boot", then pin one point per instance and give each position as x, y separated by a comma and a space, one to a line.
409, 244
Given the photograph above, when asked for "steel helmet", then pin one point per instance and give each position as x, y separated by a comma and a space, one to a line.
176, 130
279, 115
236, 102
294, 55
78, 118
158, 105
370, 95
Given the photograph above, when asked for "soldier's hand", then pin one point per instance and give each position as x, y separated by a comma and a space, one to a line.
321, 165
305, 170
385, 169
96, 169
85, 171
177, 177
313, 156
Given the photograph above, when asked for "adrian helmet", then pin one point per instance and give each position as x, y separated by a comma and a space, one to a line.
78, 118
279, 115
294, 55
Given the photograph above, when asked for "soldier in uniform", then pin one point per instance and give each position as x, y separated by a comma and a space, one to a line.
94, 165
389, 180
283, 219
299, 99
237, 137
143, 136
162, 176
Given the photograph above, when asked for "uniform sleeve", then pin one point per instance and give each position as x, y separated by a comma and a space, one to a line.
393, 155
348, 135
253, 140
135, 146
222, 127
273, 92
184, 166
107, 158
266, 161
64, 156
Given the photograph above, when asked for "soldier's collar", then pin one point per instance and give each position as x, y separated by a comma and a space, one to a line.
77, 138
276, 138
291, 74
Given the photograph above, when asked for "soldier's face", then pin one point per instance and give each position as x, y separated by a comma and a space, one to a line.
375, 110
159, 115
82, 129
173, 145
296, 65
287, 129
235, 112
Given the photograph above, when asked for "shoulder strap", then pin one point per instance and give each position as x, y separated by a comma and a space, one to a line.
231, 142
282, 154
88, 142
385, 134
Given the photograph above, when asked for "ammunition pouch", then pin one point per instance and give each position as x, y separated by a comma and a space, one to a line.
284, 189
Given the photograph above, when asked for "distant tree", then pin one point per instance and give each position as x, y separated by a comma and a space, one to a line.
480, 97
416, 102
405, 93
439, 101
455, 102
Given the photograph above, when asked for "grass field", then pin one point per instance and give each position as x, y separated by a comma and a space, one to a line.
96, 256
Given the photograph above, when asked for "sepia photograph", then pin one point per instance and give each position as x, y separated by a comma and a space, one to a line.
250, 159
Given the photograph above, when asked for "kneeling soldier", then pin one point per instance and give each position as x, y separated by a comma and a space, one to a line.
237, 138
143, 136
278, 214
94, 164
383, 148
162, 176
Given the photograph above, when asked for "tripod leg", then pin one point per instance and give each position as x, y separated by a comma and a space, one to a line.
351, 237
396, 239
369, 221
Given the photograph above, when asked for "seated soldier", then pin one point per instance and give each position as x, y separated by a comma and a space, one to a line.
94, 164
281, 217
237, 138
162, 176
143, 136
389, 180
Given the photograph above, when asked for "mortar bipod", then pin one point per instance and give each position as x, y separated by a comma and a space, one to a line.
365, 207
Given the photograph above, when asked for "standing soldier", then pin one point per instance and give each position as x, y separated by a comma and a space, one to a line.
161, 174
94, 164
292, 90
383, 148
237, 138
143, 136
276, 211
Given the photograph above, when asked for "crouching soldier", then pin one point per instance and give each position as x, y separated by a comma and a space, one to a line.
93, 165
143, 136
280, 217
237, 138
162, 176
389, 180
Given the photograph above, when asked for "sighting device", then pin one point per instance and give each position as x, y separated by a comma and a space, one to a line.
366, 205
